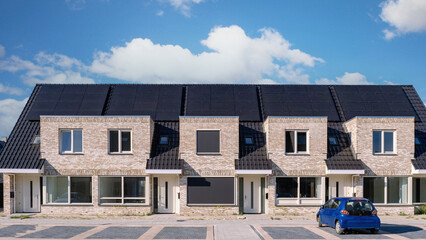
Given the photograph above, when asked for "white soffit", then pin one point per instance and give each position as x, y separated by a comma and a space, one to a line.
253, 171
164, 171
333, 171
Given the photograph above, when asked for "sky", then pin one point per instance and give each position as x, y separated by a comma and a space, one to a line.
208, 41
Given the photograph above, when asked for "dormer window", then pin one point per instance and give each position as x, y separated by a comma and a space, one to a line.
208, 142
164, 140
248, 140
332, 140
417, 141
120, 141
296, 142
384, 142
36, 140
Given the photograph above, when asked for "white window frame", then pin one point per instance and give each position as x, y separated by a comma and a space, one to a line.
69, 190
382, 133
385, 189
296, 152
299, 197
146, 198
71, 130
119, 141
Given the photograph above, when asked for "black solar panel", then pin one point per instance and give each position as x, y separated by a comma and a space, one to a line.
301, 100
161, 102
223, 100
374, 101
68, 100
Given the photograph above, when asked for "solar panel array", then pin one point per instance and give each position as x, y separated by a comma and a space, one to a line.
161, 102
223, 100
374, 101
298, 100
68, 100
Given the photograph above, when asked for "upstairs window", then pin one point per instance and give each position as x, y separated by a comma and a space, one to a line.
383, 141
36, 140
208, 142
120, 141
71, 141
417, 141
296, 141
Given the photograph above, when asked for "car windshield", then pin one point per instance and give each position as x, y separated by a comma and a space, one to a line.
359, 208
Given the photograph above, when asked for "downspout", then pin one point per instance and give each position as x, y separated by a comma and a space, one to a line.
353, 187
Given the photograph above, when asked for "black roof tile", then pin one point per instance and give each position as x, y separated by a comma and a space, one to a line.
252, 156
165, 156
340, 155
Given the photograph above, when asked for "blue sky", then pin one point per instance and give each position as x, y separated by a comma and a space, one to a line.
208, 41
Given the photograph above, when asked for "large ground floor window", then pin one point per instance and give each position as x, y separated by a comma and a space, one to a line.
294, 187
396, 190
68, 190
211, 190
122, 190
419, 190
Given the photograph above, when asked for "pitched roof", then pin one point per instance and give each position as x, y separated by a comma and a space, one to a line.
165, 156
252, 155
252, 103
340, 156
19, 153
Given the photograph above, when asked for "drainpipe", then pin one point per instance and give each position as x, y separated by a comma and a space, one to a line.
353, 188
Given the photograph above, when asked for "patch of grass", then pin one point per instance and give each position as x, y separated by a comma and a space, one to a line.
20, 216
275, 218
240, 214
421, 210
402, 214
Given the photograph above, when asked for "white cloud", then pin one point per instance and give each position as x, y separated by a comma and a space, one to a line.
403, 16
47, 68
10, 90
233, 57
346, 79
2, 51
75, 4
160, 13
184, 6
9, 113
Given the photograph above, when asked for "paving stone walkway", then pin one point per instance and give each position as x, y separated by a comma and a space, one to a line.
206, 230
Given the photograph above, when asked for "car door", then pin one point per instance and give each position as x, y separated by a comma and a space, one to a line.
325, 212
334, 212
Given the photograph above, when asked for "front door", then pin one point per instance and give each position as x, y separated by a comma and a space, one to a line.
252, 193
167, 191
31, 193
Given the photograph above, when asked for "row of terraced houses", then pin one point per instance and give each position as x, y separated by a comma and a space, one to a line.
214, 149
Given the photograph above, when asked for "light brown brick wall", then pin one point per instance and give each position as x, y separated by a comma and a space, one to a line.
95, 159
207, 165
297, 165
384, 165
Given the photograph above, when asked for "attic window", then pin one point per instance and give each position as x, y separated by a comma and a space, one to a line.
417, 141
248, 140
36, 140
164, 140
332, 140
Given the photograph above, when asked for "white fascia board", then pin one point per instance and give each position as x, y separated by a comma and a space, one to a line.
419, 171
345, 171
253, 172
163, 171
17, 170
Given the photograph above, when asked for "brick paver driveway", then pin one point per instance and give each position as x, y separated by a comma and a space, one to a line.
197, 229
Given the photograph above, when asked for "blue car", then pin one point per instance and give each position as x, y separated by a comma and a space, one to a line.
349, 213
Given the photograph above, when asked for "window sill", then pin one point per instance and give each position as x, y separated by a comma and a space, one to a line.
209, 154
67, 204
385, 154
71, 153
302, 198
123, 205
124, 153
212, 205
297, 154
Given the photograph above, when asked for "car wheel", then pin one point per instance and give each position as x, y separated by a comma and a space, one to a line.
374, 230
339, 229
319, 222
